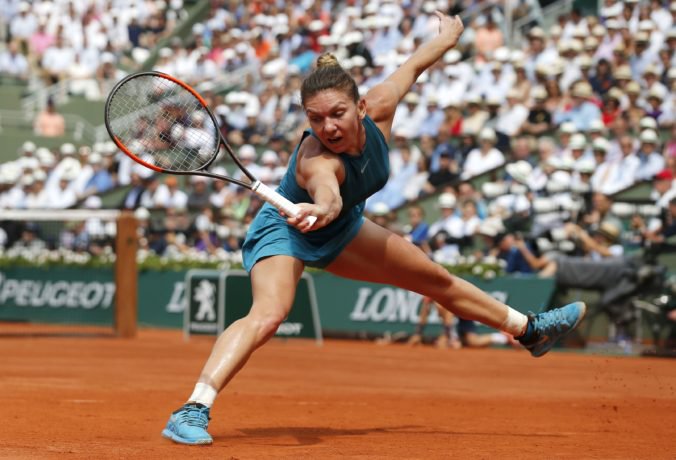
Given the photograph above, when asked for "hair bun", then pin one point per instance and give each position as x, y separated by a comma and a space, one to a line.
327, 60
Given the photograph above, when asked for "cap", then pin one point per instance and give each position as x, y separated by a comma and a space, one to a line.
596, 126
633, 87
380, 209
584, 61
665, 174
487, 134
583, 90
536, 32
28, 146
609, 230
247, 152
269, 156
520, 171
601, 143
648, 136
585, 166
452, 56
623, 72
67, 149
539, 93
616, 93
568, 128
446, 201
647, 123
411, 98
578, 142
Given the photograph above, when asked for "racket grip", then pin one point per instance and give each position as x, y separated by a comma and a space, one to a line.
278, 201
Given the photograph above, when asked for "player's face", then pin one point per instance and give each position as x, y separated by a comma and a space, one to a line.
336, 120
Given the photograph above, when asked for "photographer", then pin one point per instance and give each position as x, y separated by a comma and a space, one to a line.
602, 243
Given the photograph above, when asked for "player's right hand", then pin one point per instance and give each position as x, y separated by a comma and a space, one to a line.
303, 222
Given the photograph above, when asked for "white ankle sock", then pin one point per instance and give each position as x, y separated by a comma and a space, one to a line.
203, 394
498, 338
515, 323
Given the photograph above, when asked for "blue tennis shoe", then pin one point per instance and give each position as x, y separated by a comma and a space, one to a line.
188, 425
546, 328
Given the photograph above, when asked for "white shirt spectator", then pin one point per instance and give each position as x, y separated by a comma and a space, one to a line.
410, 119
62, 198
14, 64
11, 198
478, 162
648, 165
39, 200
58, 59
510, 120
23, 25
604, 178
167, 198
453, 225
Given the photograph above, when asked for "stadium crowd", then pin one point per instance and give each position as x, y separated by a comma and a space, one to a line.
557, 120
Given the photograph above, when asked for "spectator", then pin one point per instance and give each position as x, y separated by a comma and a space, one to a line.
488, 38
512, 117
581, 111
485, 157
447, 172
648, 160
539, 119
101, 181
199, 195
417, 229
13, 63
23, 25
49, 122
169, 195
602, 80
56, 60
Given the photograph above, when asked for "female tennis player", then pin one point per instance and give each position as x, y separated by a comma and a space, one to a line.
339, 162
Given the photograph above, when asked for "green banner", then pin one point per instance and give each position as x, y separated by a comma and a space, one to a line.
86, 296
355, 307
161, 298
67, 295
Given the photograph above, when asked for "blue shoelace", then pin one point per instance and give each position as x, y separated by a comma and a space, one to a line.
194, 416
550, 321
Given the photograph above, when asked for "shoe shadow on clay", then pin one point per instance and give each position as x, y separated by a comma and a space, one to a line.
305, 436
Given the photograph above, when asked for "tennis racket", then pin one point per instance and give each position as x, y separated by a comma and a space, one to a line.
165, 125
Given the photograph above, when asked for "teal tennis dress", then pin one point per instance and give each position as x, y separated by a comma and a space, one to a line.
270, 235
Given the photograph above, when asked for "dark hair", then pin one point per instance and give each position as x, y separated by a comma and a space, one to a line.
328, 75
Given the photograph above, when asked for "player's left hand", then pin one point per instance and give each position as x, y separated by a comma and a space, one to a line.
450, 27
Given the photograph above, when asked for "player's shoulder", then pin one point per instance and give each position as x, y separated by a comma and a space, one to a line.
312, 148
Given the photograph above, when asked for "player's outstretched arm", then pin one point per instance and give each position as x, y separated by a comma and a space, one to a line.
382, 99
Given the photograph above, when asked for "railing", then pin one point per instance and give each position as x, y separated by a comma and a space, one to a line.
544, 17
37, 99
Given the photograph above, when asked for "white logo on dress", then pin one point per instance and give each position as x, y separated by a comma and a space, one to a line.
363, 168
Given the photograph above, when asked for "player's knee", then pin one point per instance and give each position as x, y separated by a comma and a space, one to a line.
439, 279
266, 323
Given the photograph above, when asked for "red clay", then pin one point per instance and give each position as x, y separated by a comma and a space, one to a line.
100, 397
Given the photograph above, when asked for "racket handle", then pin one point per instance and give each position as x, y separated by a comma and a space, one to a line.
278, 201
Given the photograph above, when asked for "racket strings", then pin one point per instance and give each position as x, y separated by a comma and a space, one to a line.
163, 124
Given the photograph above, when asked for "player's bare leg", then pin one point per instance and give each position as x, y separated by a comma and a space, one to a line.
380, 256
273, 282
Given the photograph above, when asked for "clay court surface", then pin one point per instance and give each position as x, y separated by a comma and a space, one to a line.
101, 397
